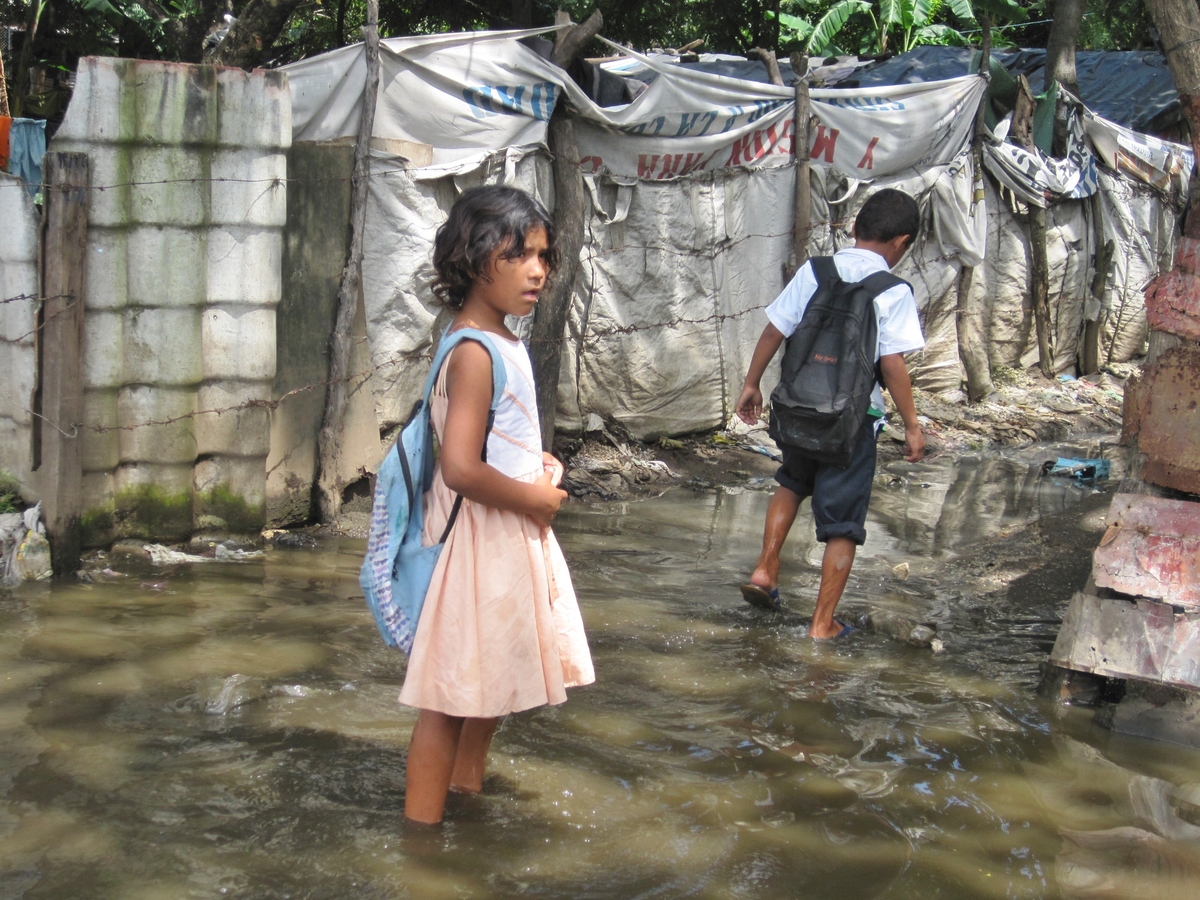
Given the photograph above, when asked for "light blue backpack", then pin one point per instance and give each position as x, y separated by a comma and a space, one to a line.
396, 572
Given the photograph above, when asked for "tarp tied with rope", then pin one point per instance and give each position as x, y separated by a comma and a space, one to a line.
689, 234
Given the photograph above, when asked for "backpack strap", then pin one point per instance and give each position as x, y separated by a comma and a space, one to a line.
825, 270
878, 282
449, 341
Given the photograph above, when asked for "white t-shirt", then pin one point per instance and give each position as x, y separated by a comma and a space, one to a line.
895, 308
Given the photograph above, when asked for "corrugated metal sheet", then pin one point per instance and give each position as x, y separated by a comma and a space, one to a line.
1151, 549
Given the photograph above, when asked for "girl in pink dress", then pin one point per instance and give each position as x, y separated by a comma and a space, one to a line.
500, 630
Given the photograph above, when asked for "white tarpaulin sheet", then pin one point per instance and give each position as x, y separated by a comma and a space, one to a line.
690, 226
467, 95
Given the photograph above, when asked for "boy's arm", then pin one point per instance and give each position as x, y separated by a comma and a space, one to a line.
749, 404
899, 386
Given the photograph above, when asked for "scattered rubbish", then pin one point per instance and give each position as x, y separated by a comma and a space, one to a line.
900, 572
165, 556
1081, 469
24, 550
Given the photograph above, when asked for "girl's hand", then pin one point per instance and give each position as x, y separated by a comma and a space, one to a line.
552, 464
547, 499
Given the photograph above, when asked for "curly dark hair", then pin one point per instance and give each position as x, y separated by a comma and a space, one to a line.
485, 221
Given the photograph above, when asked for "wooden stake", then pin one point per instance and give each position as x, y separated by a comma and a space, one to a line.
66, 180
1039, 263
329, 440
802, 204
972, 346
570, 210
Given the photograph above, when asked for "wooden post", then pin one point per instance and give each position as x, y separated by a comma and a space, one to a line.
66, 181
329, 440
1039, 264
1093, 327
570, 209
767, 58
802, 203
972, 347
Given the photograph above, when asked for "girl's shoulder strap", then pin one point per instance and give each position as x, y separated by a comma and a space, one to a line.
452, 339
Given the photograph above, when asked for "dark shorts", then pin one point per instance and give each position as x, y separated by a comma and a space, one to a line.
840, 496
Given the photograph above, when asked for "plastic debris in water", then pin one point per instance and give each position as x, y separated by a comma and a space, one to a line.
1082, 469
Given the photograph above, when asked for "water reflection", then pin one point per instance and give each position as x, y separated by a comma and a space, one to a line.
236, 732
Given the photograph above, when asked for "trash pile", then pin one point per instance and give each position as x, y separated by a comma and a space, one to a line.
24, 550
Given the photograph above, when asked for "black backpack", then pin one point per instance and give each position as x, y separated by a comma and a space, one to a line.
829, 370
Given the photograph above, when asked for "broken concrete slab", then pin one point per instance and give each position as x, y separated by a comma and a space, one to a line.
1151, 549
1127, 638
1173, 299
1162, 410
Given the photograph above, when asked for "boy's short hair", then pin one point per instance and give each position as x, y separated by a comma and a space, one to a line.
484, 221
887, 214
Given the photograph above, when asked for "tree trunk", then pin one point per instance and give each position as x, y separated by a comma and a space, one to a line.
1060, 63
249, 41
550, 316
1178, 22
1060, 46
329, 440
972, 351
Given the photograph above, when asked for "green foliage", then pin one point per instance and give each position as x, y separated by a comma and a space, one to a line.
10, 494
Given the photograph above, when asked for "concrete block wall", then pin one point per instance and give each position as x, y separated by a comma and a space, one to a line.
18, 368
187, 208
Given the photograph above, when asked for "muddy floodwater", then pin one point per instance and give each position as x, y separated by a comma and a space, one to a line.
230, 729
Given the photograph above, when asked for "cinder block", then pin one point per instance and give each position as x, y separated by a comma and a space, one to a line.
112, 172
103, 349
263, 108
174, 104
238, 343
94, 113
249, 187
18, 374
244, 265
166, 266
238, 432
240, 477
15, 441
101, 442
162, 346
170, 479
17, 316
20, 219
172, 442
106, 272
169, 186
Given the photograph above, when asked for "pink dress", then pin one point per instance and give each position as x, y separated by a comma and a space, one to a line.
500, 630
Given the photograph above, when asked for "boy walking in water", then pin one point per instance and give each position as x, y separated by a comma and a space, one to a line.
885, 227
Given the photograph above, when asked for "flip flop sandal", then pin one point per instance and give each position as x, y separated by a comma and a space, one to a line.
759, 596
845, 630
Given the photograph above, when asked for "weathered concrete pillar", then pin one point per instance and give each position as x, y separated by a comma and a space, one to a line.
187, 207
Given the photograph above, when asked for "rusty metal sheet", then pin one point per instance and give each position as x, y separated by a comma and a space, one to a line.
1168, 409
1151, 549
1138, 639
1173, 299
